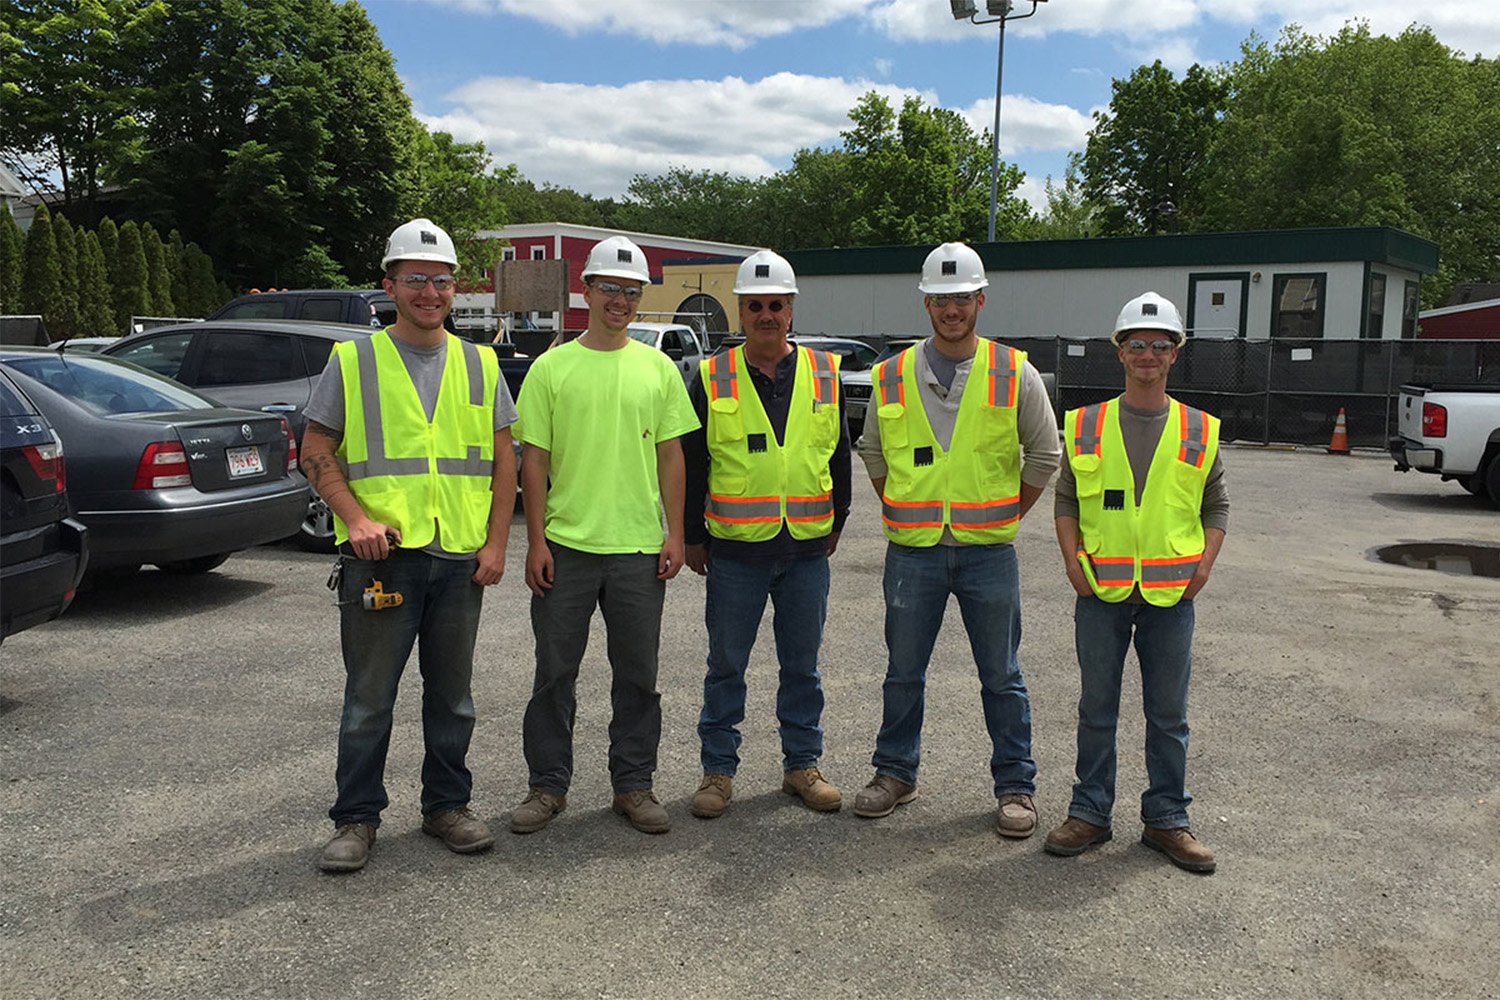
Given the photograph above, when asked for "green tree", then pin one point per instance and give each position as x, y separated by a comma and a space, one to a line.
174, 251
67, 269
202, 295
95, 314
454, 188
158, 277
1144, 157
41, 287
698, 204
132, 296
810, 203
12, 247
109, 246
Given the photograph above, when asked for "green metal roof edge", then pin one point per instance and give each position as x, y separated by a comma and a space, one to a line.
1374, 244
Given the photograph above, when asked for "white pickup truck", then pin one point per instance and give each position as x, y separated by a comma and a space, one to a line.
1454, 431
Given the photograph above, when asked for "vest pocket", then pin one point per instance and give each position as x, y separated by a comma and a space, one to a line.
893, 425
729, 486
727, 423
388, 507
1088, 475
1185, 490
477, 423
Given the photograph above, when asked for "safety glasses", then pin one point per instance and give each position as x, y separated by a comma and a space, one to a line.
609, 290
959, 298
755, 306
417, 281
1157, 346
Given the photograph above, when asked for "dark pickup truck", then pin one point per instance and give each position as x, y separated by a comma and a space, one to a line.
361, 306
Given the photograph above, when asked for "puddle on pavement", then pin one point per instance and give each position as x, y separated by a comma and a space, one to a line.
1458, 558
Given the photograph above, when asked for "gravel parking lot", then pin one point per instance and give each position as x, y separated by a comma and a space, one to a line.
167, 749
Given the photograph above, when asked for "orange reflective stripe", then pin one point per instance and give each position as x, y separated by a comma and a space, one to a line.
986, 514
825, 379
723, 383
1194, 436
889, 378
911, 513
1088, 434
1173, 572
1007, 395
814, 508
742, 510
1112, 571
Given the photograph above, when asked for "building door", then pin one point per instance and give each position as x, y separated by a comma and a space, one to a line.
1216, 305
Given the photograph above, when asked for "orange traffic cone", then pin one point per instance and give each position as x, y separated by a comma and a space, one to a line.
1339, 443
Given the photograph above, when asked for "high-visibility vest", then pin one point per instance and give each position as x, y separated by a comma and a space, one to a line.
973, 488
755, 482
406, 472
1158, 545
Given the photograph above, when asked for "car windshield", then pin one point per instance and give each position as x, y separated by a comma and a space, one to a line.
647, 337
105, 385
894, 348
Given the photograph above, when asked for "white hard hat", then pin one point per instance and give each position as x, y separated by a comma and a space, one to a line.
952, 267
617, 257
420, 239
765, 273
1150, 312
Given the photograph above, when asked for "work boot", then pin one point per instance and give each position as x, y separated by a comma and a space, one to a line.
349, 849
1074, 835
712, 797
644, 810
1015, 816
882, 795
536, 811
1181, 847
809, 785
460, 829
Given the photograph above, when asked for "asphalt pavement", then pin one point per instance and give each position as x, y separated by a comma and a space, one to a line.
167, 753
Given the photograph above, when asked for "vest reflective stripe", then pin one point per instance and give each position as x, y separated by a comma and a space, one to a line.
428, 478
750, 493
973, 488
1158, 545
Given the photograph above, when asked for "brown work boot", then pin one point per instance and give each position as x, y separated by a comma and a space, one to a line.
882, 795
536, 811
1181, 847
1074, 835
349, 849
809, 785
644, 810
460, 829
712, 797
1015, 815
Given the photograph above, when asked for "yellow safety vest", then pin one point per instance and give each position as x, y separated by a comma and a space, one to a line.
754, 482
1158, 545
406, 472
973, 488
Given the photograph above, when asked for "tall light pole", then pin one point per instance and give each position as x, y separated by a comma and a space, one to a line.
999, 11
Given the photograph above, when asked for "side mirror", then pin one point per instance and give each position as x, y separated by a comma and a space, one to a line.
675, 353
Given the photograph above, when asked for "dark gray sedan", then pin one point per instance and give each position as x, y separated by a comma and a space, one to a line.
157, 472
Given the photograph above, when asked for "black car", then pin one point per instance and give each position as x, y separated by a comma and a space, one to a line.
362, 306
253, 364
157, 472
43, 551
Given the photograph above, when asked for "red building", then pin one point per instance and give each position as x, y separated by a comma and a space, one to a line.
1470, 321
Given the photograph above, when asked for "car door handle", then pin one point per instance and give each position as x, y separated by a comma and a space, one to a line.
279, 408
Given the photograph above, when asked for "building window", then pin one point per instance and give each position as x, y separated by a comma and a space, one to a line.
1409, 311
1297, 308
538, 253
1375, 315
509, 253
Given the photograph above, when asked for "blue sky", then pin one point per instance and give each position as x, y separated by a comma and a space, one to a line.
587, 94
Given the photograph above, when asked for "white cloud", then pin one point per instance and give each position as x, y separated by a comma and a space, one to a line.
1030, 125
883, 67
1033, 191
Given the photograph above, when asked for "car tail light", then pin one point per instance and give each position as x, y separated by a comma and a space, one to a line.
291, 446
1434, 420
47, 462
163, 465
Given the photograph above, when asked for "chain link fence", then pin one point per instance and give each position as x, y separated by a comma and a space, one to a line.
1282, 390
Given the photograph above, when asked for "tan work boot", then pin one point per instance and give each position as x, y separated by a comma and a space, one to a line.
644, 810
809, 785
349, 849
536, 811
1015, 816
882, 795
1074, 836
712, 797
460, 830
1181, 847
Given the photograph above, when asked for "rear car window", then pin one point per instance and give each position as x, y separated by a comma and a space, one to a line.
162, 354
257, 309
11, 402
104, 385
246, 358
315, 353
331, 310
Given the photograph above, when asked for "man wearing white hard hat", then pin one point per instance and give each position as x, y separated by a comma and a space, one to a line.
768, 493
959, 442
1141, 510
601, 419
422, 495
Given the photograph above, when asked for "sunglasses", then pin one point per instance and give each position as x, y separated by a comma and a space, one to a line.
775, 305
1157, 346
417, 281
609, 290
960, 298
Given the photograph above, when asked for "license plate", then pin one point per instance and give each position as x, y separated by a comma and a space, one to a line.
245, 462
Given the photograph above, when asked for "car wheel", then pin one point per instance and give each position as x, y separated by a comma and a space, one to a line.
1474, 484
1492, 479
202, 564
316, 533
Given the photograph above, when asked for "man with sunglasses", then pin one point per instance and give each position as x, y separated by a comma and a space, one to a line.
1141, 510
768, 493
959, 442
600, 420
408, 441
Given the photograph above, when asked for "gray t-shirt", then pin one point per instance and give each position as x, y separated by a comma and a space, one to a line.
425, 366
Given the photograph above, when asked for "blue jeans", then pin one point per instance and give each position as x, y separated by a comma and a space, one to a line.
1164, 646
737, 592
440, 614
917, 585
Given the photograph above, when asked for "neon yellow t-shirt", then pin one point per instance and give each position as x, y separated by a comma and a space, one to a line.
601, 414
